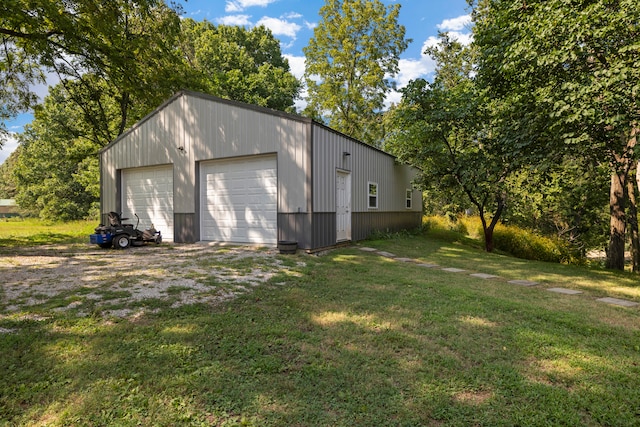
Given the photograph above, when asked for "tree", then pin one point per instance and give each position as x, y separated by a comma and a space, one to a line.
440, 128
127, 43
354, 50
56, 173
8, 188
566, 199
239, 64
564, 76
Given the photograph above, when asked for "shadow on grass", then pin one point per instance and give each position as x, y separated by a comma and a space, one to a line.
450, 249
37, 239
305, 357
356, 340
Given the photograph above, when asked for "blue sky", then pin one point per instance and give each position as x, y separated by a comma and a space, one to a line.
292, 22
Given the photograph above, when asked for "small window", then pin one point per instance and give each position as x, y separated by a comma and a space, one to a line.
373, 195
409, 198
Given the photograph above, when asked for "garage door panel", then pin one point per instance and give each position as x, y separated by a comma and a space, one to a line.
239, 201
148, 192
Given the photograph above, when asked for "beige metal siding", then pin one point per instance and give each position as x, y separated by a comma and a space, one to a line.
152, 142
366, 165
192, 128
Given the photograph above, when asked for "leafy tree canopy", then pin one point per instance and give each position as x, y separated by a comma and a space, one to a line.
240, 64
564, 79
56, 173
8, 188
568, 69
127, 43
440, 127
354, 49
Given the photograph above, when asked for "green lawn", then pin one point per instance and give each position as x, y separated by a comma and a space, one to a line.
19, 232
348, 338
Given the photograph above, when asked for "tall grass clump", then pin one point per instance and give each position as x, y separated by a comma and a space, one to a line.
513, 240
529, 245
444, 225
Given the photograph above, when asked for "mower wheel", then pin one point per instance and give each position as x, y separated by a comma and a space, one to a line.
158, 239
121, 241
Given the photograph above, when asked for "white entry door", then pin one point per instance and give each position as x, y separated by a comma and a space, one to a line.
239, 200
343, 206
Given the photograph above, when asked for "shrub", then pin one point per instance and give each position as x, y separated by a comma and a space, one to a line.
442, 223
513, 240
528, 245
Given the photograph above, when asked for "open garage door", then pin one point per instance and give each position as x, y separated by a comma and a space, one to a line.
239, 200
148, 192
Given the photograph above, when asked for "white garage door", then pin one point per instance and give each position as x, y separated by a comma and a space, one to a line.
239, 200
148, 192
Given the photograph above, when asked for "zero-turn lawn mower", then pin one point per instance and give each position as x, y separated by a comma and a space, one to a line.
121, 236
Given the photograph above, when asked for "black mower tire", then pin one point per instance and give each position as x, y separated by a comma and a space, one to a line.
121, 241
158, 240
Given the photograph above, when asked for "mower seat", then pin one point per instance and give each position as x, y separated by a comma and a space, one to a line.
115, 219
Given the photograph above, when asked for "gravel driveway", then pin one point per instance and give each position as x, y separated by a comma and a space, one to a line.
86, 280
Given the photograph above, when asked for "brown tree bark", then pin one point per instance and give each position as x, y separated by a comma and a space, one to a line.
617, 225
488, 228
633, 220
618, 197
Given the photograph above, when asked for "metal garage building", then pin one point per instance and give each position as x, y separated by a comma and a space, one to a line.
205, 168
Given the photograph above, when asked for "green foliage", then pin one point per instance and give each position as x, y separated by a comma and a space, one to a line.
568, 201
56, 172
514, 240
445, 223
564, 79
354, 48
8, 188
441, 128
239, 64
125, 44
529, 245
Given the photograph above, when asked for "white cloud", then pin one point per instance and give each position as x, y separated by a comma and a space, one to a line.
411, 69
291, 15
10, 144
464, 38
393, 97
296, 64
233, 6
280, 27
239, 20
310, 25
42, 89
424, 66
455, 24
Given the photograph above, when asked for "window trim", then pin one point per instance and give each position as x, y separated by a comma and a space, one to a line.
408, 198
372, 196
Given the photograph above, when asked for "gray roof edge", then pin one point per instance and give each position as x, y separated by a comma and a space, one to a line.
186, 92
265, 110
357, 141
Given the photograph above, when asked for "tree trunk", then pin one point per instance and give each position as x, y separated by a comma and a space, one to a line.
617, 227
488, 229
633, 222
617, 202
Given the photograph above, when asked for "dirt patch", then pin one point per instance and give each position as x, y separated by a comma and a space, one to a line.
124, 283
